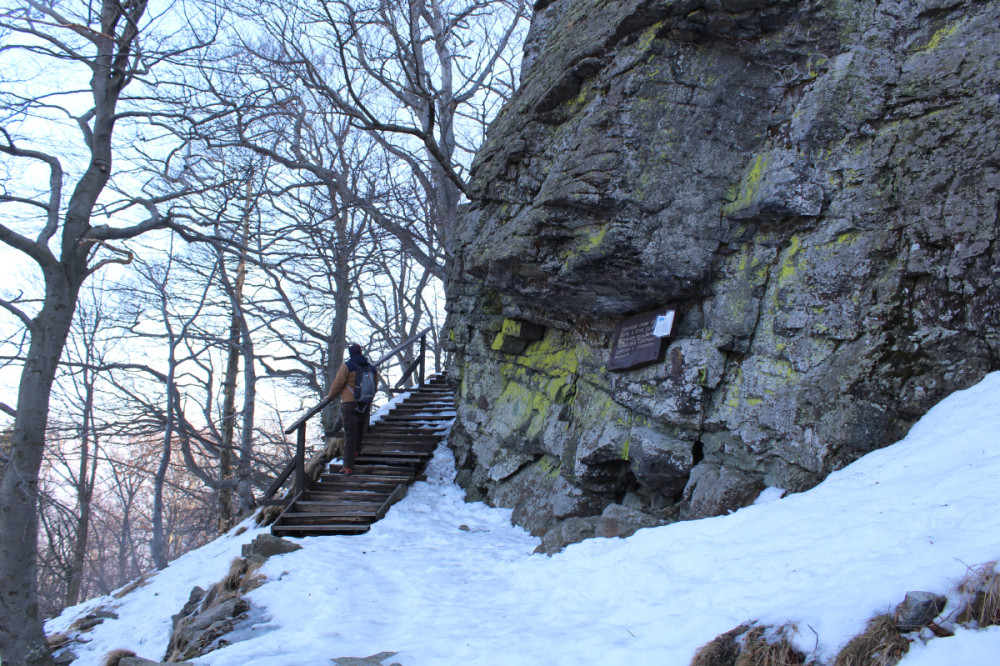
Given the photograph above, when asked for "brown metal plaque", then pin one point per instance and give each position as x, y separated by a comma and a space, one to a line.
634, 343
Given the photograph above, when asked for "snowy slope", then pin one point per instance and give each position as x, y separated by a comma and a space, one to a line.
441, 581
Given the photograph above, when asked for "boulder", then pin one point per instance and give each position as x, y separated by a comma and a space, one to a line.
64, 657
267, 545
918, 610
193, 636
714, 490
619, 521
221, 612
661, 464
562, 534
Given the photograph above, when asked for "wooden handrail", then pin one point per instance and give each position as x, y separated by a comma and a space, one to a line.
308, 415
297, 463
403, 345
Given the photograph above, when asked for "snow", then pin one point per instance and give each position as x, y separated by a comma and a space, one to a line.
439, 580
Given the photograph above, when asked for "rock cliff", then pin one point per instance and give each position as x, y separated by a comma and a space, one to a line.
812, 186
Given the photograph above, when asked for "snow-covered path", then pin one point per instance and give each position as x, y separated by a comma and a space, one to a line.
441, 581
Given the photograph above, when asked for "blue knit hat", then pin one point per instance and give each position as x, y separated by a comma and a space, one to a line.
355, 350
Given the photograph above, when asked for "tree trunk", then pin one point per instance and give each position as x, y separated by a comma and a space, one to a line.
22, 640
236, 328
228, 426
244, 475
158, 545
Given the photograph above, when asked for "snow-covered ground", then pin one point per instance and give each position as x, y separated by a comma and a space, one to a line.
440, 581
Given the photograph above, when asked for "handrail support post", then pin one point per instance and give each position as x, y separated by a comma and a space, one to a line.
423, 357
300, 461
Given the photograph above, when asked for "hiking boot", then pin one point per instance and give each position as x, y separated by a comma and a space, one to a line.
347, 470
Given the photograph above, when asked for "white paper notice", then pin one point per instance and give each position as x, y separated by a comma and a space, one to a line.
664, 324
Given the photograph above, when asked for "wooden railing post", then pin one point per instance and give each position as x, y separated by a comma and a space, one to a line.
423, 350
300, 461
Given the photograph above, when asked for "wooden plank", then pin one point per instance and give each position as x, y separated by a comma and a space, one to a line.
332, 517
286, 509
381, 459
397, 474
389, 450
344, 493
422, 405
367, 488
307, 506
399, 430
419, 415
321, 529
345, 496
397, 495
421, 449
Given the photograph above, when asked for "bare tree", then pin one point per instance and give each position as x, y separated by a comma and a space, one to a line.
106, 41
422, 77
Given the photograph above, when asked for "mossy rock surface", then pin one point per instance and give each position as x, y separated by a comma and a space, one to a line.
811, 185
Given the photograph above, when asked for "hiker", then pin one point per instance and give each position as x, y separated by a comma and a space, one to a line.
356, 380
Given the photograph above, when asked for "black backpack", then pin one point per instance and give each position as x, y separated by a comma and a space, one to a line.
364, 387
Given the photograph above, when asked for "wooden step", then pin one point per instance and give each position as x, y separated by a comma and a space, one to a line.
399, 460
311, 506
312, 517
407, 433
413, 430
342, 496
383, 445
370, 487
388, 452
304, 530
376, 478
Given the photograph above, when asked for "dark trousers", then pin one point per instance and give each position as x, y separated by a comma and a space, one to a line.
355, 427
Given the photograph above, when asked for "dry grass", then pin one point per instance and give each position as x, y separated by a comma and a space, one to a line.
242, 578
268, 515
761, 649
91, 619
981, 589
721, 650
133, 586
58, 640
112, 658
750, 646
881, 644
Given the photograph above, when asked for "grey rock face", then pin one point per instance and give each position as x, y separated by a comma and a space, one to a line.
64, 656
714, 490
812, 185
620, 521
203, 631
560, 535
267, 545
918, 610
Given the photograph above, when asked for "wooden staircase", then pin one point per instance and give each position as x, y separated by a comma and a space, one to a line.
392, 455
